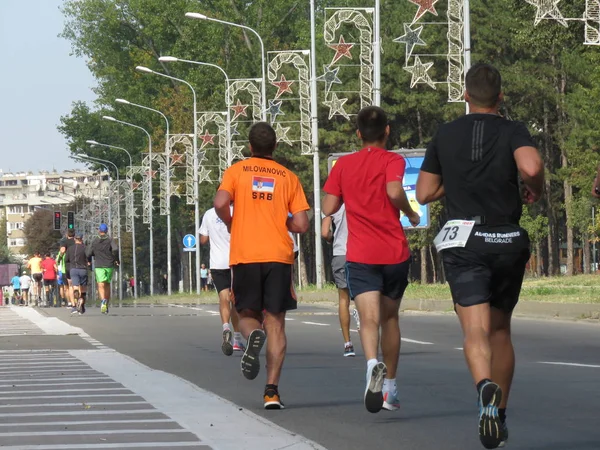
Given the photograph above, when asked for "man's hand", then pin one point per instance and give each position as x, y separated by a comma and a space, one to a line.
529, 197
414, 218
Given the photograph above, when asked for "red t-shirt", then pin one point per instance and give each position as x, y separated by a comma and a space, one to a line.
375, 235
48, 269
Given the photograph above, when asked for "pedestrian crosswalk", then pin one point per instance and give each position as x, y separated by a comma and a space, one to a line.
12, 324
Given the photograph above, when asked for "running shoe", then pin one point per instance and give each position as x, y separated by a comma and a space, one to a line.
490, 425
356, 318
250, 364
226, 346
238, 346
104, 307
504, 431
373, 394
74, 310
272, 399
391, 402
349, 350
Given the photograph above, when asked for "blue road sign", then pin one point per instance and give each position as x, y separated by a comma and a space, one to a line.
189, 241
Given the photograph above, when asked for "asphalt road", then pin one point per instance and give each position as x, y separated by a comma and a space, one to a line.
553, 406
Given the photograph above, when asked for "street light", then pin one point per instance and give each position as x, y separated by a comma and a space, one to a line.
167, 181
199, 16
227, 104
150, 225
196, 183
98, 160
94, 143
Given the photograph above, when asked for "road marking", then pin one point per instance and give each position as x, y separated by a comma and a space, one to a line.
553, 363
317, 323
29, 372
84, 422
458, 348
77, 413
412, 341
289, 319
66, 396
68, 405
105, 445
70, 390
36, 381
95, 432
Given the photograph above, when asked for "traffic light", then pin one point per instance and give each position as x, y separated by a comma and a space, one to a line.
70, 220
57, 217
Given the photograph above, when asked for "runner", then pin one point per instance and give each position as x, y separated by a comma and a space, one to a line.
25, 285
49, 272
213, 229
378, 258
203, 278
261, 258
339, 236
35, 265
77, 260
106, 254
16, 285
67, 242
61, 279
475, 162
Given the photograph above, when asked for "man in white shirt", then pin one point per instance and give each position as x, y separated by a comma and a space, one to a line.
25, 285
339, 236
214, 229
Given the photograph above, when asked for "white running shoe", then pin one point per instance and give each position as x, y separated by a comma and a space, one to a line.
373, 392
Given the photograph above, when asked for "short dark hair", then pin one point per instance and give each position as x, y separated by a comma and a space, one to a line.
262, 139
372, 122
70, 233
483, 84
47, 255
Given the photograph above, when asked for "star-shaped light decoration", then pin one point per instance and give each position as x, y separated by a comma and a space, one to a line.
336, 106
151, 174
236, 152
410, 38
201, 157
341, 49
330, 77
203, 174
282, 86
419, 73
233, 131
274, 110
547, 9
175, 191
239, 110
135, 186
207, 138
281, 133
425, 6
176, 158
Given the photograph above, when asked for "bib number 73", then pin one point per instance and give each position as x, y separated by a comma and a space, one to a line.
455, 233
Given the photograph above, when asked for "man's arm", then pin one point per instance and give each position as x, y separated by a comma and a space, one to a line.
596, 185
397, 196
331, 204
221, 204
531, 169
429, 187
298, 223
326, 231
203, 239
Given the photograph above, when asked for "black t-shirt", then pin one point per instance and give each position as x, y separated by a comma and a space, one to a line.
66, 242
474, 157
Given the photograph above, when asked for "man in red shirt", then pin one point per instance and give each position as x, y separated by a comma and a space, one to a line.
49, 271
369, 183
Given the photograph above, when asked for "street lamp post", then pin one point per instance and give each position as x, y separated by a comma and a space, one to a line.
198, 16
227, 105
98, 160
377, 55
195, 144
168, 187
133, 244
150, 225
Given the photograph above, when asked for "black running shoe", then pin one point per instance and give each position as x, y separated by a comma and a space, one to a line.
272, 399
504, 435
226, 346
250, 363
490, 425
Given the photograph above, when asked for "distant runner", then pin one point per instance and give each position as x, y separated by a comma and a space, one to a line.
35, 265
25, 285
77, 260
105, 252
49, 272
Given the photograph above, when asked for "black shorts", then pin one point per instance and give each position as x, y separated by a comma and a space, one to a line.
477, 278
37, 277
67, 273
389, 279
263, 286
221, 279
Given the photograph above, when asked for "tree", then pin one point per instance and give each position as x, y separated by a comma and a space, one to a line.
5, 255
40, 234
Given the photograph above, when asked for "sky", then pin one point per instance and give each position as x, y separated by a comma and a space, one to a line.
39, 80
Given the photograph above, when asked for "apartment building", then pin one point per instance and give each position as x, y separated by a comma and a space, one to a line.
22, 193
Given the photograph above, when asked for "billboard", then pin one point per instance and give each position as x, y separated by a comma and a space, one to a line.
414, 160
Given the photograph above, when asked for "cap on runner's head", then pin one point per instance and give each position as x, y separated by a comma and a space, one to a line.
24, 272
79, 235
103, 228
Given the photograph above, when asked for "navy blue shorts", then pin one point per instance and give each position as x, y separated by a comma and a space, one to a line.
79, 277
390, 280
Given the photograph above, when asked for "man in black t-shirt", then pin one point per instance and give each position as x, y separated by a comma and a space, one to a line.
475, 163
65, 244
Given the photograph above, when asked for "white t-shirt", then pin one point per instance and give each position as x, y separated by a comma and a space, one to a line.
25, 282
340, 234
216, 230
294, 241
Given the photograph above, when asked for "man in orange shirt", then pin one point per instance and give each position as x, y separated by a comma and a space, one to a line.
262, 253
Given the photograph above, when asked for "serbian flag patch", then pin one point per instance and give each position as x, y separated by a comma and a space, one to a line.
262, 184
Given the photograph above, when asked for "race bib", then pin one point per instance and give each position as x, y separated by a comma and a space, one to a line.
454, 234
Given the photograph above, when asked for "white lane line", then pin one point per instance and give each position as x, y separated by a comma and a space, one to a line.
85, 422
458, 348
105, 445
317, 323
20, 383
69, 390
79, 413
555, 363
412, 341
95, 432
289, 319
36, 381
353, 330
41, 365
68, 405
55, 370
189, 307
67, 396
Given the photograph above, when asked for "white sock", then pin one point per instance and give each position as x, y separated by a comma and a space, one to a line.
226, 327
347, 344
237, 337
389, 385
370, 364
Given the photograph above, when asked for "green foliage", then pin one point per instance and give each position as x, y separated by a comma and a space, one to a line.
5, 255
536, 225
